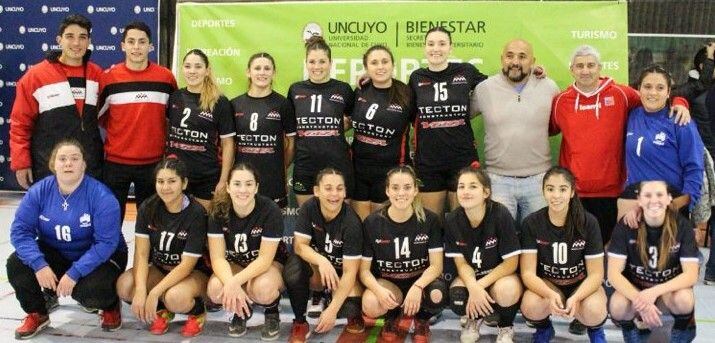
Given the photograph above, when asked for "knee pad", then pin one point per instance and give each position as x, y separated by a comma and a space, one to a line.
458, 300
438, 285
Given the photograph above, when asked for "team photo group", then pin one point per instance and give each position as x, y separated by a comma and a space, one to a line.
382, 211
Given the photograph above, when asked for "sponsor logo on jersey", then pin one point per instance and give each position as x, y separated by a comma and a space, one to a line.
43, 218
273, 115
85, 220
421, 238
224, 229
182, 234
299, 96
675, 248
299, 186
459, 80
632, 241
490, 243
206, 115
256, 231
542, 242
337, 243
238, 114
337, 98
659, 138
361, 99
609, 101
424, 83
578, 245
589, 107
443, 124
394, 108
382, 241
141, 96
460, 243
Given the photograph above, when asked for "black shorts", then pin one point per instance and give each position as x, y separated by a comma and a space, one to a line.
202, 188
303, 182
370, 183
569, 290
439, 179
631, 192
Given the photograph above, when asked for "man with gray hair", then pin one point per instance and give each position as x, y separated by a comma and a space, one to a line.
591, 114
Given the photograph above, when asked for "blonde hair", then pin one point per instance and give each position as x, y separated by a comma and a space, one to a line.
416, 202
210, 91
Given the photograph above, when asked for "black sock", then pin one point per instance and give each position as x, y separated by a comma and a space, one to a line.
272, 308
627, 325
198, 308
160, 306
684, 321
597, 326
423, 315
542, 324
506, 314
393, 314
316, 295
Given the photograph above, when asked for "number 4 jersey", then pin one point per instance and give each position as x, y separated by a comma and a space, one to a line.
560, 261
487, 245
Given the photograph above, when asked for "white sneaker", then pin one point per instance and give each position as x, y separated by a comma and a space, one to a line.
470, 332
463, 321
316, 307
506, 335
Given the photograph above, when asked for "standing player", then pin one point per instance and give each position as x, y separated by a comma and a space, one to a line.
320, 104
265, 128
200, 116
562, 261
328, 245
169, 275
57, 99
444, 140
481, 238
402, 261
247, 252
654, 268
133, 97
381, 119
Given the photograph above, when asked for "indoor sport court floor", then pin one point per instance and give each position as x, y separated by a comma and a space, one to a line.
70, 324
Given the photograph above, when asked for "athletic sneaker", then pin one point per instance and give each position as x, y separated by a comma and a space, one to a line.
194, 325
463, 321
299, 332
32, 325
470, 331
422, 332
544, 335
89, 309
111, 320
404, 324
709, 279
316, 305
237, 328
160, 325
492, 320
212, 307
577, 328
355, 325
271, 327
389, 332
506, 335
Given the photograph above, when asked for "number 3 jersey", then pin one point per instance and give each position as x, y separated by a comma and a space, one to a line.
400, 251
337, 239
174, 234
486, 246
194, 133
243, 236
624, 245
560, 261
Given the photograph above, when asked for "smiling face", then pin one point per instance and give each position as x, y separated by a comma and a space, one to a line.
558, 193
653, 198
242, 188
136, 46
438, 47
74, 43
401, 190
586, 71
318, 65
169, 185
195, 71
516, 60
379, 67
331, 193
470, 192
654, 91
69, 164
260, 72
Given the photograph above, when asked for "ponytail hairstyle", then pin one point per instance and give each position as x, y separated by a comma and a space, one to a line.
210, 91
328, 171
257, 56
317, 43
576, 215
399, 92
483, 179
221, 204
667, 237
657, 69
154, 203
416, 202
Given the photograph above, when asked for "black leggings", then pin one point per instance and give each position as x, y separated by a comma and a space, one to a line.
95, 290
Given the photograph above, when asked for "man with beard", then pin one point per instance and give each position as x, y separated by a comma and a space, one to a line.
516, 106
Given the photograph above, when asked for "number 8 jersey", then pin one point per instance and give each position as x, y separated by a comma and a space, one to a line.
560, 261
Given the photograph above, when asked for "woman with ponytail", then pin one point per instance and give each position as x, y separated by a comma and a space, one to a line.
562, 261
201, 129
402, 261
653, 268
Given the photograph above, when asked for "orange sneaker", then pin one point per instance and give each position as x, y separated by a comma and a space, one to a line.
160, 325
389, 332
404, 324
194, 325
111, 320
422, 332
32, 325
299, 332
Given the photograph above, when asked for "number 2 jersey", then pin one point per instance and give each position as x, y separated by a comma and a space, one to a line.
624, 245
243, 236
261, 124
560, 261
443, 132
194, 134
338, 239
400, 251
174, 234
486, 246
381, 129
319, 111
